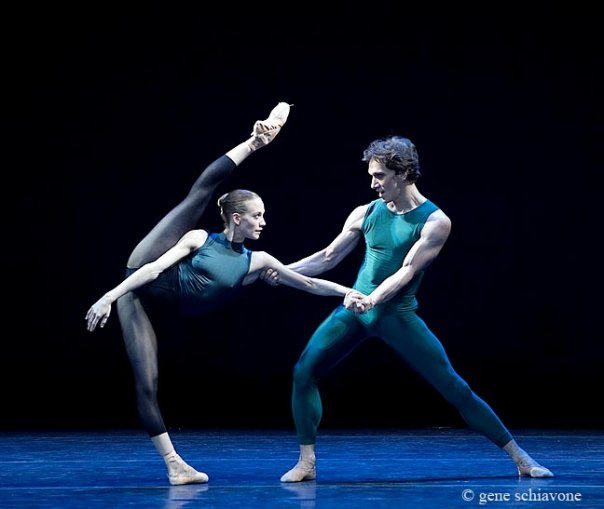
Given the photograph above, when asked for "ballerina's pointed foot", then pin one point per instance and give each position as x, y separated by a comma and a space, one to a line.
534, 470
303, 471
179, 473
265, 131
279, 114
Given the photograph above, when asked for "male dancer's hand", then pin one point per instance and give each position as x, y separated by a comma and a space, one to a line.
365, 303
270, 276
354, 301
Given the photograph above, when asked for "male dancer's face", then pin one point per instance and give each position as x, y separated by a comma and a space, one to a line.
386, 182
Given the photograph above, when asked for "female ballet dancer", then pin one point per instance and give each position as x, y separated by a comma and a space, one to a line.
199, 270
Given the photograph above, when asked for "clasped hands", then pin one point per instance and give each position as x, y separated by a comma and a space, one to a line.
357, 302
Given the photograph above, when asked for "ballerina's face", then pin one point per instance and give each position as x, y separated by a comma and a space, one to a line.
251, 222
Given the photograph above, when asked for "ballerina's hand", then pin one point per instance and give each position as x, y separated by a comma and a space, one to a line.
98, 314
353, 301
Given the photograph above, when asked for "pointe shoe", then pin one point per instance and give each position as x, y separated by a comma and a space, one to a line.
264, 131
303, 471
279, 114
277, 117
535, 470
179, 472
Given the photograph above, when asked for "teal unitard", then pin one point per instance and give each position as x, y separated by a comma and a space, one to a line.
388, 238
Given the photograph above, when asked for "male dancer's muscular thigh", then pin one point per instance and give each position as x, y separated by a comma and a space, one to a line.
412, 340
337, 336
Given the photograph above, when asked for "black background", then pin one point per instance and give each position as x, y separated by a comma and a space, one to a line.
111, 112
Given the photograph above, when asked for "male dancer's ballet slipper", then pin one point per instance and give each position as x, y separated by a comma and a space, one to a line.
534, 471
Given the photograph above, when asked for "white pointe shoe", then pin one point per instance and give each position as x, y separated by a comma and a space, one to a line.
179, 472
279, 114
266, 130
303, 471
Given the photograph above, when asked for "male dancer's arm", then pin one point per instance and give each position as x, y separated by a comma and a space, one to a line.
328, 257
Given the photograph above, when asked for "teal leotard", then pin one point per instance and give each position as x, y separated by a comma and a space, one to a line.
213, 274
204, 280
388, 237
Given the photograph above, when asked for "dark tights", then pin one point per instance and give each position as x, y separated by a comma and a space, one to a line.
139, 337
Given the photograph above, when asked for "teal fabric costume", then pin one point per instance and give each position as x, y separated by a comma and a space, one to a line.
206, 279
213, 274
388, 237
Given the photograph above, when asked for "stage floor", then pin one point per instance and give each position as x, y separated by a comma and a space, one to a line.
368, 469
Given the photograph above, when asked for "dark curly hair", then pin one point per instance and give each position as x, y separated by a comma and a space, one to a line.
396, 153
